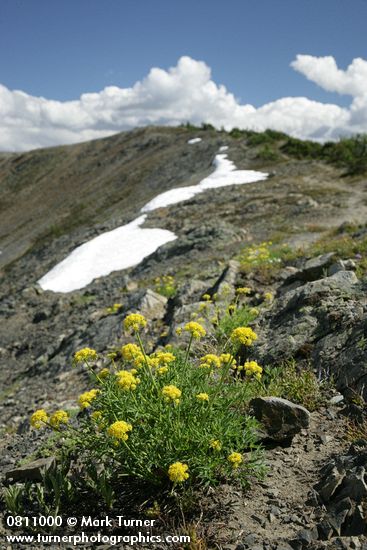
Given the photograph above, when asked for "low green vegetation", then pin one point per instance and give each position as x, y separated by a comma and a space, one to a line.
165, 285
298, 385
156, 426
349, 153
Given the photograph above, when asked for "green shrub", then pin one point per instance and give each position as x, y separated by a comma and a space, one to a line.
165, 285
267, 153
298, 385
167, 419
300, 149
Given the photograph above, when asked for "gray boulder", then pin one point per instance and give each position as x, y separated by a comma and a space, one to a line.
323, 321
281, 419
152, 305
33, 471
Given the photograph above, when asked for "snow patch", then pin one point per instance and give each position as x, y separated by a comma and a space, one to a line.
194, 140
120, 248
129, 244
225, 174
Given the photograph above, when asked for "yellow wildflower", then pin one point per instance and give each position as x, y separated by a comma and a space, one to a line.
226, 358
215, 444
114, 309
210, 361
171, 393
97, 416
177, 472
130, 351
235, 459
164, 358
196, 330
86, 398
268, 296
243, 335
252, 368
202, 397
243, 290
103, 373
134, 322
85, 355
206, 297
162, 370
254, 311
112, 355
39, 418
59, 417
119, 430
126, 380
231, 307
179, 331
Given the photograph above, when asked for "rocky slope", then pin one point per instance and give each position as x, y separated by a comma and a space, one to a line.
55, 199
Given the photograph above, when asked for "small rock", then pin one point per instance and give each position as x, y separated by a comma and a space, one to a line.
338, 398
314, 268
325, 438
328, 485
33, 471
250, 540
280, 418
346, 278
153, 305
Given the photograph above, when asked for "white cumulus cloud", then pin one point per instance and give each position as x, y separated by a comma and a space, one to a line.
184, 93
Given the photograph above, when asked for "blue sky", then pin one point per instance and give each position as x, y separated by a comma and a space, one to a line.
60, 49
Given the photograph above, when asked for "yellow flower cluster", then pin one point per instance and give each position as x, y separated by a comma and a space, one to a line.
162, 370
252, 368
85, 355
226, 358
235, 459
163, 358
202, 397
130, 351
126, 380
113, 309
206, 297
243, 335
177, 472
103, 373
243, 290
216, 445
132, 354
59, 417
210, 361
165, 285
134, 322
196, 330
119, 430
268, 297
39, 418
259, 254
171, 393
86, 398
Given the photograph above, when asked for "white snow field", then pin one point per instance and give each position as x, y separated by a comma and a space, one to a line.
118, 249
225, 173
129, 244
